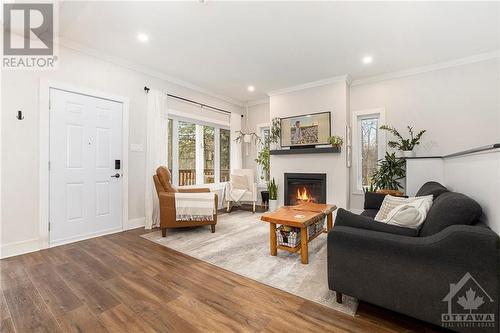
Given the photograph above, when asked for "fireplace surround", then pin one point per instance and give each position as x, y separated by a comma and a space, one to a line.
304, 187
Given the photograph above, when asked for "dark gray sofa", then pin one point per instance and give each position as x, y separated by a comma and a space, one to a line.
412, 271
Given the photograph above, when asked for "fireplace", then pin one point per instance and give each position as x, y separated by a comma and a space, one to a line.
304, 187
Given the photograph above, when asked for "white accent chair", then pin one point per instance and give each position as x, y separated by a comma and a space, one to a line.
250, 195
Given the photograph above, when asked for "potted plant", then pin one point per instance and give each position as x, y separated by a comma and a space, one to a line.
263, 160
390, 171
275, 133
336, 141
405, 145
246, 137
273, 195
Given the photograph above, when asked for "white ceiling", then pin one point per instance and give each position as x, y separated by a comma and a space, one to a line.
226, 46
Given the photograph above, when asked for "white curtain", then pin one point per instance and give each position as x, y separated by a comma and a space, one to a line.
156, 151
236, 152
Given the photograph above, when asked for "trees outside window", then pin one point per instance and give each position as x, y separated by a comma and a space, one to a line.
368, 144
369, 148
197, 149
187, 153
208, 154
225, 154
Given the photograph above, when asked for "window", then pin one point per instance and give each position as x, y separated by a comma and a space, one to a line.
369, 147
208, 154
187, 153
197, 153
225, 150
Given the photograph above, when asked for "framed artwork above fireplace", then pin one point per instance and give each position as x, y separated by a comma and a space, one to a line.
306, 130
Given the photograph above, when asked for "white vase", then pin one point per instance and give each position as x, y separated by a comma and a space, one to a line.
273, 205
408, 153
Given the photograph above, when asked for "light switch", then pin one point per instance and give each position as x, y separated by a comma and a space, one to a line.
136, 147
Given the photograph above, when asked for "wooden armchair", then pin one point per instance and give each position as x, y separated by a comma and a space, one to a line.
166, 195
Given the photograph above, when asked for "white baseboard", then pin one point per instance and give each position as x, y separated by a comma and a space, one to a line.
135, 223
32, 245
86, 236
17, 248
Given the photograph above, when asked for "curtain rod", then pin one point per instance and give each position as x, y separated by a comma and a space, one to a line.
146, 89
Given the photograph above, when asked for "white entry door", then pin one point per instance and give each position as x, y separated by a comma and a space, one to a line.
85, 166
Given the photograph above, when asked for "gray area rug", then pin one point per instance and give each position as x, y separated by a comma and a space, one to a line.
240, 244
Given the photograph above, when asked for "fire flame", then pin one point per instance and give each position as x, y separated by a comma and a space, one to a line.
302, 195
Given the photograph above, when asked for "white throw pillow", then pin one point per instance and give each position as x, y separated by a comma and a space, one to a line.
239, 182
390, 202
410, 214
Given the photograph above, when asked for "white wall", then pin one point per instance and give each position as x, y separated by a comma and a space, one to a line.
458, 106
476, 175
334, 98
257, 115
20, 147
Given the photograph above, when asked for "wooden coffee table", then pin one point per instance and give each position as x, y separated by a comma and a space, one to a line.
311, 212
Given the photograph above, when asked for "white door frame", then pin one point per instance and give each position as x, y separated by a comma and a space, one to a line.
44, 141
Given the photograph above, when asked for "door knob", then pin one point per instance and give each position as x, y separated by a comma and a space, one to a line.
116, 175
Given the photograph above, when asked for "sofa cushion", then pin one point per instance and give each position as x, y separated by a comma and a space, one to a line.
433, 188
448, 209
348, 219
373, 200
370, 213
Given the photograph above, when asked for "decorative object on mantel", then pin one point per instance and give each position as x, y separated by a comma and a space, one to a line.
273, 195
405, 145
389, 172
336, 141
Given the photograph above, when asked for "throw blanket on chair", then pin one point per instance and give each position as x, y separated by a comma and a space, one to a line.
194, 206
236, 194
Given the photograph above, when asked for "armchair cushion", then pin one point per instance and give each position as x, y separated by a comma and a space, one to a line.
239, 182
433, 188
448, 209
373, 200
370, 213
348, 219
165, 179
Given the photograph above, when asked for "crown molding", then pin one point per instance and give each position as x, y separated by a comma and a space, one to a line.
259, 101
308, 85
425, 69
143, 69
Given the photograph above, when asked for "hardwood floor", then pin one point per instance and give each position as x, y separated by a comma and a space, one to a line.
124, 283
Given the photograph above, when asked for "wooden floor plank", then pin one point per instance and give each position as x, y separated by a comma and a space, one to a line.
6, 326
55, 292
29, 313
122, 282
81, 320
90, 291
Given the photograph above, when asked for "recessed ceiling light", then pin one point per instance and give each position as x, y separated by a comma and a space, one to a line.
142, 37
251, 88
367, 60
